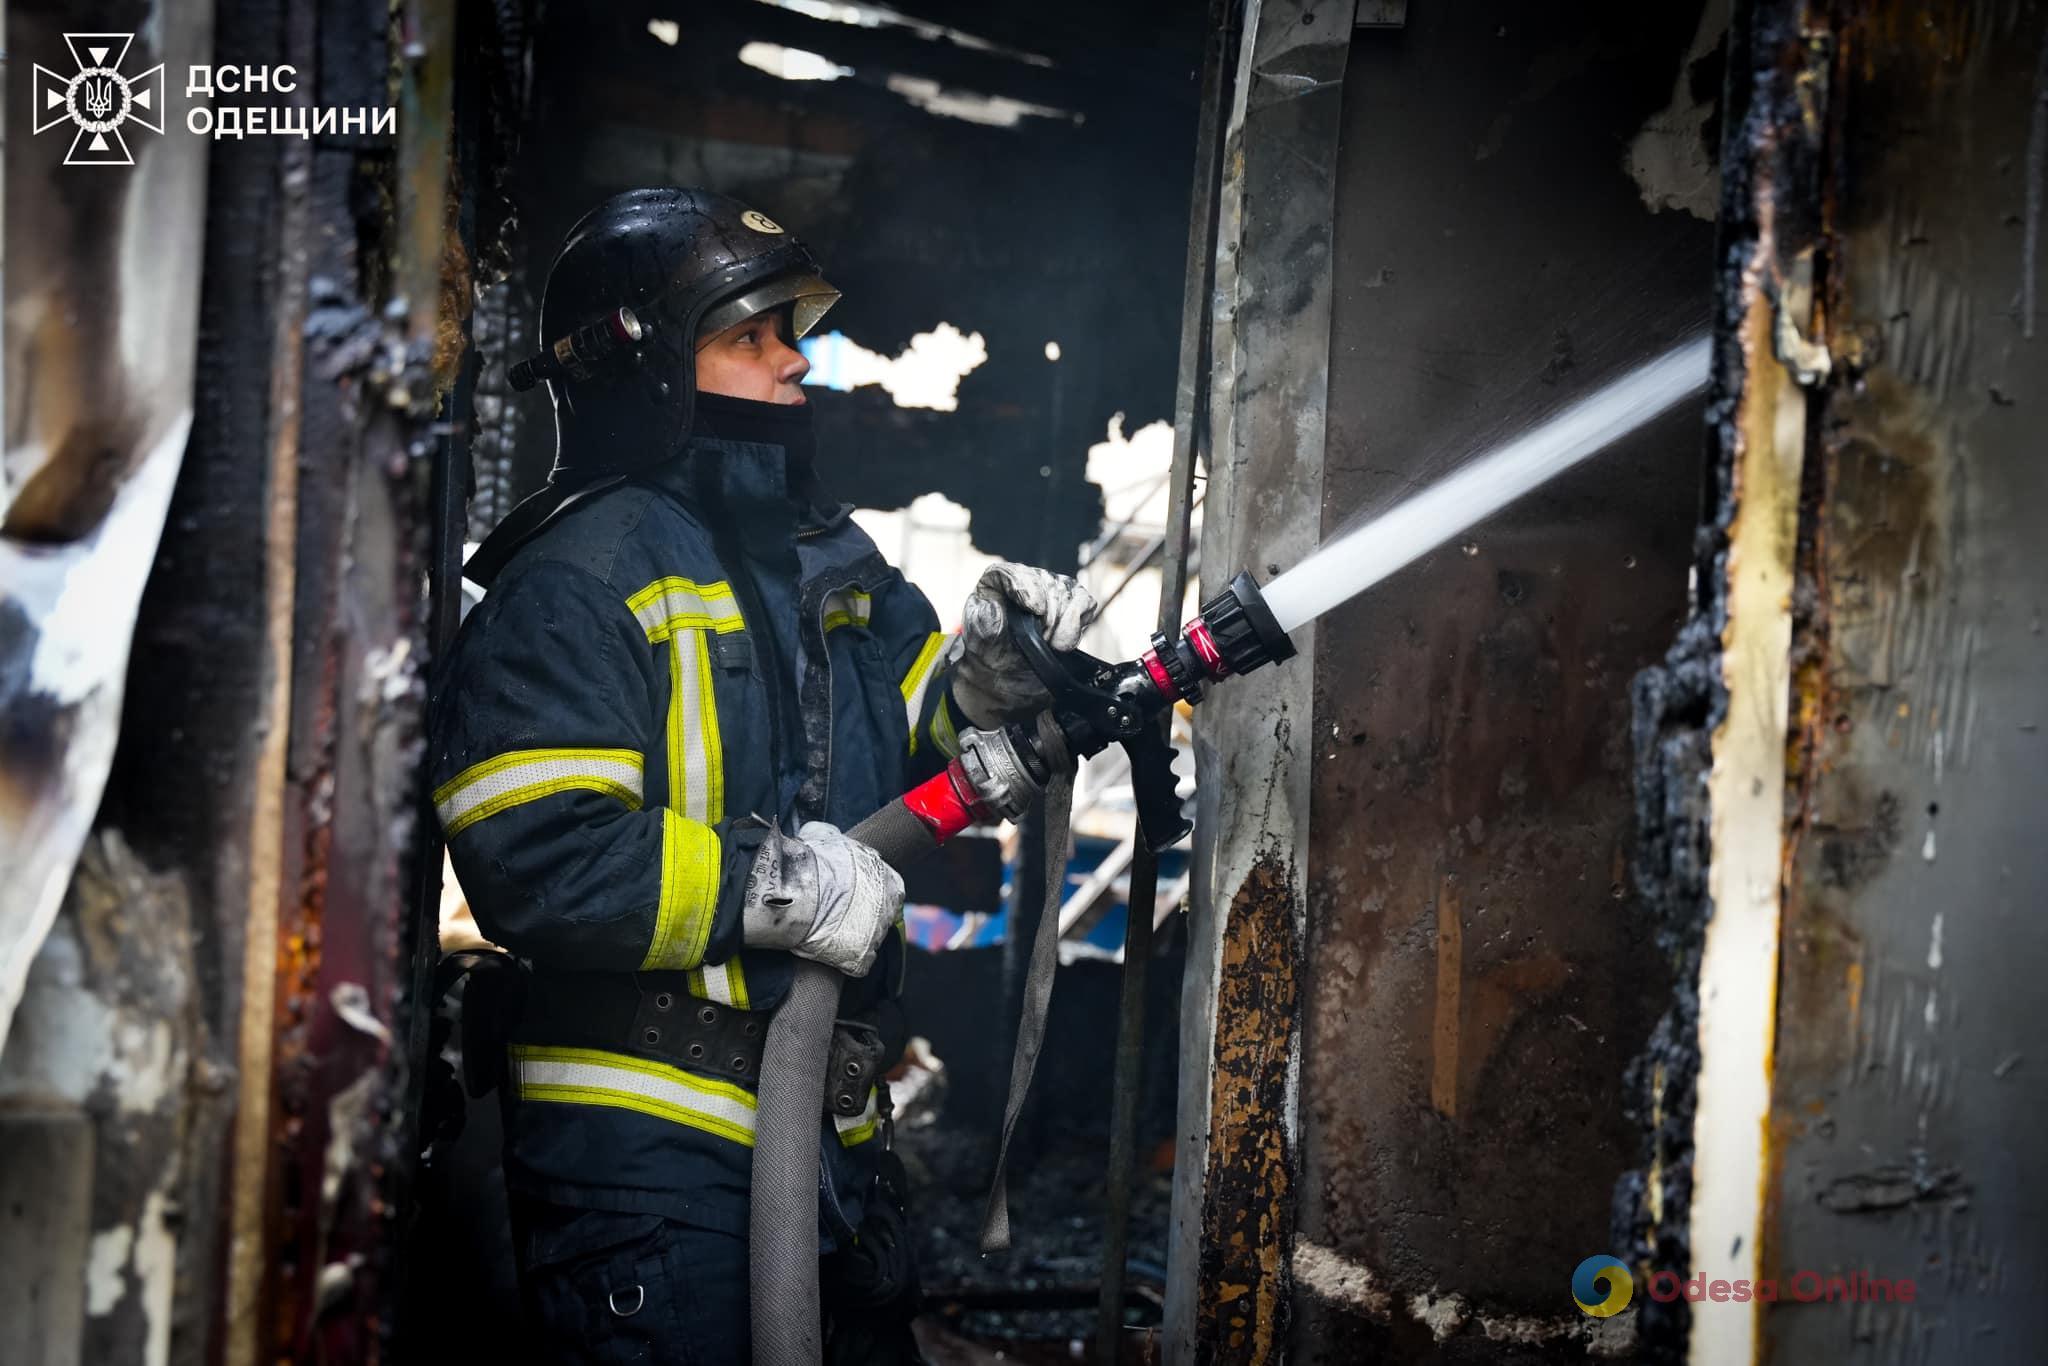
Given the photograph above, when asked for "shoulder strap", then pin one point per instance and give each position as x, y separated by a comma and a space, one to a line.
524, 523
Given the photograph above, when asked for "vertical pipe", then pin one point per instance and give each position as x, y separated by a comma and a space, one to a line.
1189, 403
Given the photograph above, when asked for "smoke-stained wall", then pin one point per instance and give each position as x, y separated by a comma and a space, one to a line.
1480, 971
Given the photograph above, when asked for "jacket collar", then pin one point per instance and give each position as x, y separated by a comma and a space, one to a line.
750, 466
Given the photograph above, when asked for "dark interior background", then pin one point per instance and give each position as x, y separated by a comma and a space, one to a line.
1070, 225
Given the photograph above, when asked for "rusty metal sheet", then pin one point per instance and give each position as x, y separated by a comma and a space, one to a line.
1907, 1098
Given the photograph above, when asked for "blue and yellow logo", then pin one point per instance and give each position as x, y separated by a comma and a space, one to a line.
1602, 1286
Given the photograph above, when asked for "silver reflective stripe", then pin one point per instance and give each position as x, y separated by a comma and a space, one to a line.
848, 607
527, 775
720, 982
590, 1076
695, 761
669, 605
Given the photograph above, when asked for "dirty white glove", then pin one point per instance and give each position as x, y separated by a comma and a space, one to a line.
822, 895
992, 682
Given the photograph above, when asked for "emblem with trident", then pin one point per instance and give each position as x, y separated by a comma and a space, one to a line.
99, 99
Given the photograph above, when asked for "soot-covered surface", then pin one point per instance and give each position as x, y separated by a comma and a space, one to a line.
1480, 971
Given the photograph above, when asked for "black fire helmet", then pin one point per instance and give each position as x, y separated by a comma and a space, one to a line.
676, 267
640, 282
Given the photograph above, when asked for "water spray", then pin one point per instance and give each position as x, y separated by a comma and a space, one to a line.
1096, 704
1362, 556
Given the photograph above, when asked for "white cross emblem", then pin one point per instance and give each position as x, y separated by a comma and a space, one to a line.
99, 99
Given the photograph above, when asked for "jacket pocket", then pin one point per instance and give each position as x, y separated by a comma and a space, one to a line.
609, 1296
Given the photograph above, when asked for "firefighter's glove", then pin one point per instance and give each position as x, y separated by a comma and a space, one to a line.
992, 682
822, 896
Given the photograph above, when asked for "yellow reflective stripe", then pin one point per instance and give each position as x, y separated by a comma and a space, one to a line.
849, 608
859, 1128
689, 894
527, 775
943, 733
670, 605
591, 1076
918, 681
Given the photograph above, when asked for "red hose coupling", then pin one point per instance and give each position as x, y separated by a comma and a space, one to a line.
946, 804
1161, 679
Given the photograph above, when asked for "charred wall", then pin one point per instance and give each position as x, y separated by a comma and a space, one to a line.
1480, 970
224, 1004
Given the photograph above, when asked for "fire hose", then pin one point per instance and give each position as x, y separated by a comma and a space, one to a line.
1094, 704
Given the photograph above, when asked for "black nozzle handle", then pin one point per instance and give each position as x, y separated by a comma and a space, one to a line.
1045, 661
1103, 718
1155, 790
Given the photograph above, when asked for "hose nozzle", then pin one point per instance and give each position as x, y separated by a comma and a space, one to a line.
1097, 704
1235, 633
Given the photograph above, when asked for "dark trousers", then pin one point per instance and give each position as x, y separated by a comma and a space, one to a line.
601, 1288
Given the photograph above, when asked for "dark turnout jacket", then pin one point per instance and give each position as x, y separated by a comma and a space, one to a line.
671, 658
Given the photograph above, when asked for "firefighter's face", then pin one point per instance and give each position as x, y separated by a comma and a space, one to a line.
753, 359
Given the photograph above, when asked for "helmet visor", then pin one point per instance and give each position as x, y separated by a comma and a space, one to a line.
807, 296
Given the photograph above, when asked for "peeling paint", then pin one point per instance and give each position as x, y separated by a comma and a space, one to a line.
1248, 1223
106, 1270
1673, 159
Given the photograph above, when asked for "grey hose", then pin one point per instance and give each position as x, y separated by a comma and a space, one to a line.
783, 1218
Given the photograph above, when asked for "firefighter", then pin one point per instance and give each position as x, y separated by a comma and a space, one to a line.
690, 674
